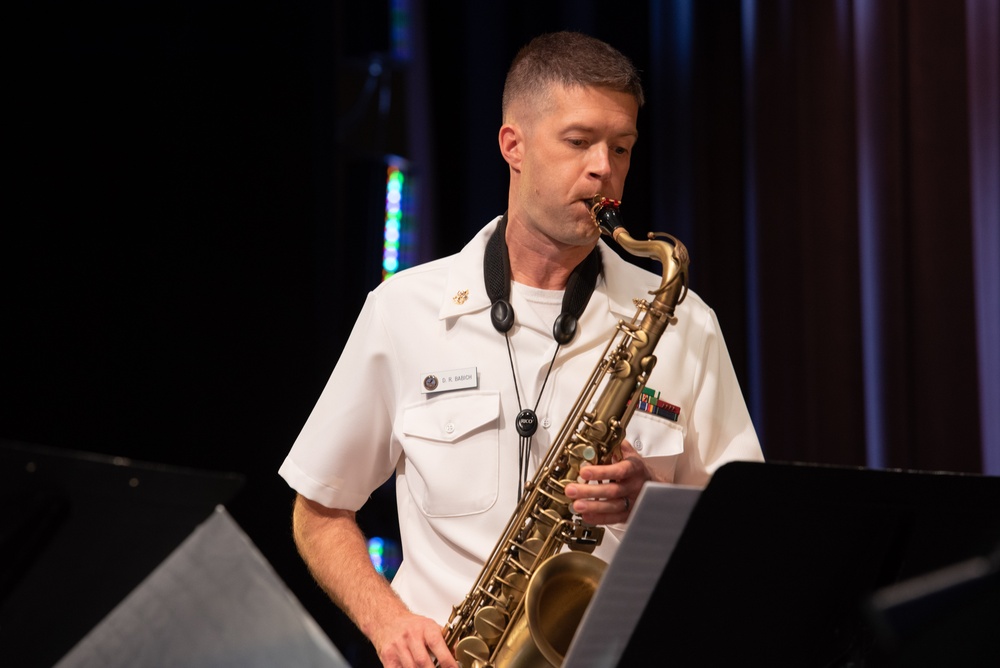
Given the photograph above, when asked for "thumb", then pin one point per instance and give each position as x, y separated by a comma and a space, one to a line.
626, 450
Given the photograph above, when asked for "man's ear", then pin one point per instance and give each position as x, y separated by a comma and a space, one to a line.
511, 145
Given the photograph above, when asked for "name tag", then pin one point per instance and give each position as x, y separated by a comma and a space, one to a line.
453, 379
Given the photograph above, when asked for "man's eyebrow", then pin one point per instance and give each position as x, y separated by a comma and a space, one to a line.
581, 127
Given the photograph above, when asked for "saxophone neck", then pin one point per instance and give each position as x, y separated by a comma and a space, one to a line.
664, 248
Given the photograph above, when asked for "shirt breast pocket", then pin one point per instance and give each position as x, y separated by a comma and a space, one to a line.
654, 436
452, 450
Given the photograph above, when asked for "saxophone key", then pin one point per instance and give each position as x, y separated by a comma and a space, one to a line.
528, 552
547, 519
558, 495
490, 623
585, 538
472, 651
585, 452
514, 586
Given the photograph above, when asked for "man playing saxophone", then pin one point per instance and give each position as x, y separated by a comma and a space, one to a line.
459, 373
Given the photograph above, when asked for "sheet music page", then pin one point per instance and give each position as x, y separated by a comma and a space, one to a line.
659, 518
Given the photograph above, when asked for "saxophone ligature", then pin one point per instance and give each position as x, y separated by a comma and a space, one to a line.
528, 600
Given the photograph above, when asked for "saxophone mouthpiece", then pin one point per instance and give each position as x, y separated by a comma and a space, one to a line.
604, 210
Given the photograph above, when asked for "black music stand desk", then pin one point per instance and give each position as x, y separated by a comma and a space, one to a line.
777, 565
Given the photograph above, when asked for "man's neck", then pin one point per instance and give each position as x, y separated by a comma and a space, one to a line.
540, 262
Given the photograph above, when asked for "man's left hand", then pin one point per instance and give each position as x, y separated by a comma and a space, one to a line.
608, 492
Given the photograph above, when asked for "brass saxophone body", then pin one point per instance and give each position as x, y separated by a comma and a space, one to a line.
524, 608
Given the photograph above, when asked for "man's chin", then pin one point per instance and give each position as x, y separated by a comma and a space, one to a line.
588, 233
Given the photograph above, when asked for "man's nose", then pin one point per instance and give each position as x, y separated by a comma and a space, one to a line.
599, 162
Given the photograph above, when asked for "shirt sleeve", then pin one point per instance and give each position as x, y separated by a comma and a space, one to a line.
345, 451
719, 427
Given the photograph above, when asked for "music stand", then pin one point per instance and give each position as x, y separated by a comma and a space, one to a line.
777, 561
78, 532
215, 602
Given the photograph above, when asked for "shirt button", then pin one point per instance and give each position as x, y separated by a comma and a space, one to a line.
546, 423
637, 445
449, 428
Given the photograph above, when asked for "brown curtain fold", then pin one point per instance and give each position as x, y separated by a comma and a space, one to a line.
860, 169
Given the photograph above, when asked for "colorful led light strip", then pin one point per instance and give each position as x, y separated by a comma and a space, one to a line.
384, 555
393, 230
376, 552
399, 19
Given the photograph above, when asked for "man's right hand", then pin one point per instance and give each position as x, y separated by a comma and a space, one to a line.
335, 550
412, 641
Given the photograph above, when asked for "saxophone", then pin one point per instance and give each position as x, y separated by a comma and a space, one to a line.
524, 608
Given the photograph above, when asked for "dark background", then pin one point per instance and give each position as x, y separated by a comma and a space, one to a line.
192, 216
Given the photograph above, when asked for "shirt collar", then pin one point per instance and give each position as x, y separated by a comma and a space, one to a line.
621, 282
465, 289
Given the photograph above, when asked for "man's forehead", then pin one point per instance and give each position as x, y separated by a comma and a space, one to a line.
558, 96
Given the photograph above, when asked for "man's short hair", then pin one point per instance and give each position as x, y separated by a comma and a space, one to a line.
571, 59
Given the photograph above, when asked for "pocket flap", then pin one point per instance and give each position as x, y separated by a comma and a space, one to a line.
653, 436
447, 419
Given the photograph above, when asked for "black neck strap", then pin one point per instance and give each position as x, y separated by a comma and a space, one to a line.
579, 287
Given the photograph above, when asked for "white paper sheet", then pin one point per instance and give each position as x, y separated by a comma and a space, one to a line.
659, 518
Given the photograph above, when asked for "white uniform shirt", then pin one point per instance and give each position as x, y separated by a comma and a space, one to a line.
455, 453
